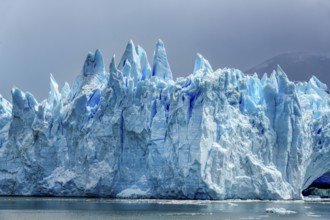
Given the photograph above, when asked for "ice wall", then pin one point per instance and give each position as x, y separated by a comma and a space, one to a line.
135, 132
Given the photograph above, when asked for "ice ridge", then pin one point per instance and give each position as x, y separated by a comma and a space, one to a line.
134, 132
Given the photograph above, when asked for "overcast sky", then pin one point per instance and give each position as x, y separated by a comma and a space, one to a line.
39, 37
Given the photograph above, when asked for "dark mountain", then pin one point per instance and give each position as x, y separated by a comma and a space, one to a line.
298, 66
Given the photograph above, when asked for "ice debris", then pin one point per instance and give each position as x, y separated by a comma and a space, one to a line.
280, 211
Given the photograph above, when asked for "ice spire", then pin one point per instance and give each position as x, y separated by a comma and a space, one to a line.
94, 64
54, 96
92, 74
160, 66
131, 56
65, 91
24, 106
283, 81
112, 67
145, 66
202, 64
317, 83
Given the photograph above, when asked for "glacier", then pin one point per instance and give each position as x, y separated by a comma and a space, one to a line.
132, 131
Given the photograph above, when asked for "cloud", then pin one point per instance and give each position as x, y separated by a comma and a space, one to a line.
41, 37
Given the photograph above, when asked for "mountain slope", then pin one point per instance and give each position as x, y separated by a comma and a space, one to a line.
299, 66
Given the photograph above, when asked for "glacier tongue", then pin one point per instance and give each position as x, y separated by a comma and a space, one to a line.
134, 132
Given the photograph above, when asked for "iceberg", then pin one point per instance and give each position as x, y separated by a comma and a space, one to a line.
132, 131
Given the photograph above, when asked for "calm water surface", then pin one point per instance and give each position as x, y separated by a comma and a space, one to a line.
78, 208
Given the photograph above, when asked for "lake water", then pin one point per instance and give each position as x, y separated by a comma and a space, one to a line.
79, 208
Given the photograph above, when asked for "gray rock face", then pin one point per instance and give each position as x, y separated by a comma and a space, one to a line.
134, 132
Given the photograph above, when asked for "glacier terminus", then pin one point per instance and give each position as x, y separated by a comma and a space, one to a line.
132, 131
